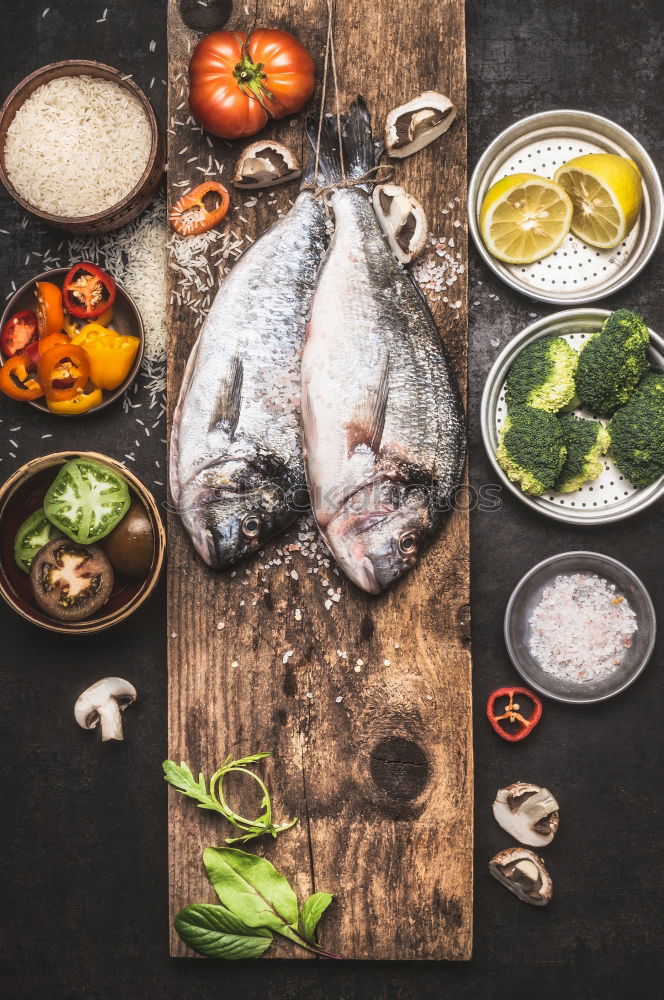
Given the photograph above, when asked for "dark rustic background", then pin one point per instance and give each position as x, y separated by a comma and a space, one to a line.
84, 880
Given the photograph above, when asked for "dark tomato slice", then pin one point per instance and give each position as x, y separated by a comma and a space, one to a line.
88, 292
18, 332
71, 581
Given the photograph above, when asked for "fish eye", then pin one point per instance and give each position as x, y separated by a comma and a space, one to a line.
408, 543
251, 526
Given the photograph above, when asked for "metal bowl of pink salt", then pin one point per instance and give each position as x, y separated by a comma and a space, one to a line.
580, 627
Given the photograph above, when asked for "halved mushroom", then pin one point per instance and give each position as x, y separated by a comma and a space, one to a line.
527, 812
265, 163
524, 874
402, 219
102, 703
415, 124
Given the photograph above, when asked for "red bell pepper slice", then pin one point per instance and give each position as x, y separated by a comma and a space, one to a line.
88, 292
511, 713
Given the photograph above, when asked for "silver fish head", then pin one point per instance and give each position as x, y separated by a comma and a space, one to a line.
230, 510
379, 533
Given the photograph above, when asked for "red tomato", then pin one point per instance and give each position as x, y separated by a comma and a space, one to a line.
18, 332
236, 83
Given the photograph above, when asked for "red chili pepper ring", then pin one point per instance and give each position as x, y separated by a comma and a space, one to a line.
511, 712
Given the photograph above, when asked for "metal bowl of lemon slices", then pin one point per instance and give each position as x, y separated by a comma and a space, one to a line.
555, 220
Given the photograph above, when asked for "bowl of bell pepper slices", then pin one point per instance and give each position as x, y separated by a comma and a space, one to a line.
71, 341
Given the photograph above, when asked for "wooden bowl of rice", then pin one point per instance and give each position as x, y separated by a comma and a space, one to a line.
80, 146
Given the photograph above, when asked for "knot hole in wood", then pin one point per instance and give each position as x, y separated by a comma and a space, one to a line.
210, 17
399, 767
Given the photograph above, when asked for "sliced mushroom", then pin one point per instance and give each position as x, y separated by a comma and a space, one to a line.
527, 812
263, 164
102, 703
402, 219
524, 874
415, 124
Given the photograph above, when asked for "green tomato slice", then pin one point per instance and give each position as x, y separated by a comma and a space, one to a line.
87, 500
32, 536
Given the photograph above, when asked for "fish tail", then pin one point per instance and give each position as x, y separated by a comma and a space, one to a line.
353, 158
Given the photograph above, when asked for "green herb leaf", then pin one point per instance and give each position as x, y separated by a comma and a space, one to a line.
216, 932
311, 912
252, 888
180, 777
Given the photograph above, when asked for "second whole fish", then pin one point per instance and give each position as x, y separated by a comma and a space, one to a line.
382, 420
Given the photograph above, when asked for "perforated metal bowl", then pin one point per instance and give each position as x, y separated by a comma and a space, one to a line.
575, 273
610, 497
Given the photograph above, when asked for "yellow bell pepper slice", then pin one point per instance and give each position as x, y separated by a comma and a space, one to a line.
111, 354
80, 403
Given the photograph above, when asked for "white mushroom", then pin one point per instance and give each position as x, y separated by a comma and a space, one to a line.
415, 124
263, 164
402, 219
524, 874
528, 813
102, 703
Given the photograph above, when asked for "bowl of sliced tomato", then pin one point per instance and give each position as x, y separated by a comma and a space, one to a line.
71, 341
81, 542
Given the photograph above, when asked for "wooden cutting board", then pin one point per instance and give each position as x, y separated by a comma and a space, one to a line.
366, 703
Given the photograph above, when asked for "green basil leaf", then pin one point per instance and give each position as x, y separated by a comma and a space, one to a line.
252, 888
312, 911
216, 932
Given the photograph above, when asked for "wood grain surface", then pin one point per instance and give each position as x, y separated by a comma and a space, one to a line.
372, 750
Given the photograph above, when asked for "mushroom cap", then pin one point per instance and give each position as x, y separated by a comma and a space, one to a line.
97, 696
265, 163
417, 123
527, 812
524, 873
402, 219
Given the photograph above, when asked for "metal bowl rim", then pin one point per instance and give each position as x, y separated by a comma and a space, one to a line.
482, 166
550, 560
508, 351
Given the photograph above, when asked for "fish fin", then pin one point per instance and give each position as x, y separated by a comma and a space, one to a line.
308, 418
358, 149
367, 426
226, 412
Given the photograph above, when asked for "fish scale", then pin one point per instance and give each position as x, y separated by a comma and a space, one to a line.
236, 450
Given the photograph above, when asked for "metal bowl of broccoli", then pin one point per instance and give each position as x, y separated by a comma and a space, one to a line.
518, 629
595, 459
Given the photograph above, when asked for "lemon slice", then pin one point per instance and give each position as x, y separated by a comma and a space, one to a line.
607, 194
524, 217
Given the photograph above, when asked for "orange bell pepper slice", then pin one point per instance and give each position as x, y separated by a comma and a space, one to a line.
49, 308
17, 378
63, 371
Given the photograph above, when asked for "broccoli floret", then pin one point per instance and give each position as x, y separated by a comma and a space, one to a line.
637, 433
542, 375
586, 441
612, 362
531, 449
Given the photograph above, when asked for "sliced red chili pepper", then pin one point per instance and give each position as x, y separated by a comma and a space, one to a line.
88, 291
18, 378
18, 332
63, 370
190, 216
511, 712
